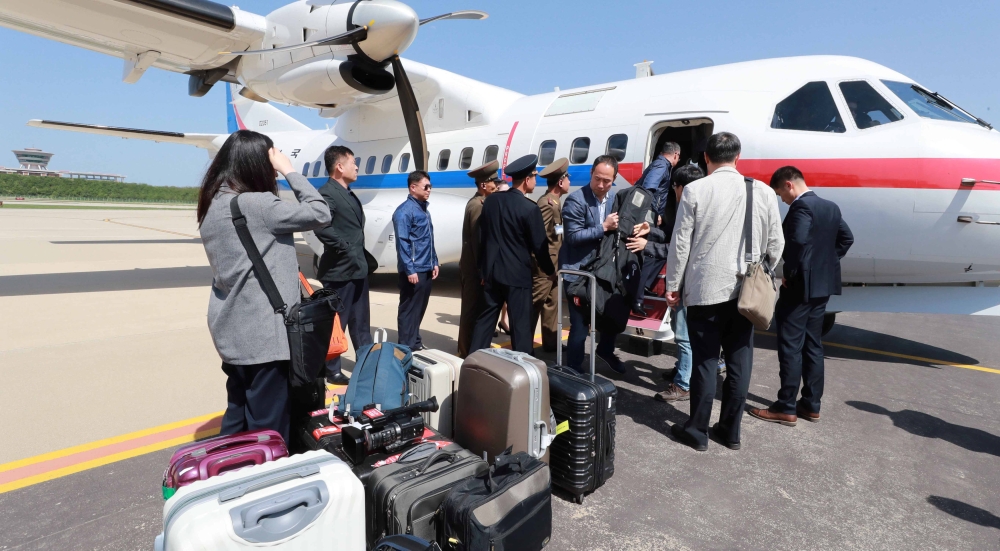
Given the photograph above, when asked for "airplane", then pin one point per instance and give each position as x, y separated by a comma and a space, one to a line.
916, 176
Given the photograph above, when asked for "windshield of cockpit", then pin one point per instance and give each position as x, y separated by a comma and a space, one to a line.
930, 105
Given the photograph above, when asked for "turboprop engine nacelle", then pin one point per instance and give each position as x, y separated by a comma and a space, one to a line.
329, 76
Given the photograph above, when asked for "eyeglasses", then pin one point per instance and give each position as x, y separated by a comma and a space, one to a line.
428, 187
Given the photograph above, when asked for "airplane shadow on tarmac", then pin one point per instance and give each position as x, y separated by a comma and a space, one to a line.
921, 424
110, 280
966, 512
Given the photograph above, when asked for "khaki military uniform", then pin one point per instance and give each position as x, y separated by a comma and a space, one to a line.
544, 290
469, 274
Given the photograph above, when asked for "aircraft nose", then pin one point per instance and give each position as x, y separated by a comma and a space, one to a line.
392, 26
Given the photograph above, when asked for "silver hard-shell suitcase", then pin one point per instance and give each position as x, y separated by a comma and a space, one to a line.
435, 373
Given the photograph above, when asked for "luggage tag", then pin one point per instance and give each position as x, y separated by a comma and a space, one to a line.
562, 427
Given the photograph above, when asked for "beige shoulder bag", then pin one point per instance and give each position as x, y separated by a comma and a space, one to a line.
759, 291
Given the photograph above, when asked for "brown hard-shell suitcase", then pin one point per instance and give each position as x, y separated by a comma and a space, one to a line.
504, 402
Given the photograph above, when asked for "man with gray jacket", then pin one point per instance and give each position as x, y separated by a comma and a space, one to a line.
706, 260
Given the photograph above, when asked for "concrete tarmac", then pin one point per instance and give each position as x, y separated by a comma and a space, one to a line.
102, 334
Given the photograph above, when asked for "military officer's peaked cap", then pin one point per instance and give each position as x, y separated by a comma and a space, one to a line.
485, 173
522, 167
556, 170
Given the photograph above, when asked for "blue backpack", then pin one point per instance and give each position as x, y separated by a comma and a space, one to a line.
379, 375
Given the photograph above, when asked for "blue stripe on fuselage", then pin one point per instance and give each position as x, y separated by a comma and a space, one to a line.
578, 175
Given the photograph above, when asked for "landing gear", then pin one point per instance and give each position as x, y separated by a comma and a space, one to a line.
829, 319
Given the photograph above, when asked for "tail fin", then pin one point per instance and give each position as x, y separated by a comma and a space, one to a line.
247, 114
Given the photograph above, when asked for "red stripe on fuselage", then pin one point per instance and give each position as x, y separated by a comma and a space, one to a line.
868, 173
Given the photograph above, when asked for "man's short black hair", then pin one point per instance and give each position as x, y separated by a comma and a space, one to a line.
416, 176
605, 160
669, 148
723, 147
335, 154
785, 174
686, 174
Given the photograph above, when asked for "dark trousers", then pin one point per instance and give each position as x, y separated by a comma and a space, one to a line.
412, 305
355, 316
651, 267
518, 301
258, 398
578, 332
472, 303
711, 327
544, 293
800, 351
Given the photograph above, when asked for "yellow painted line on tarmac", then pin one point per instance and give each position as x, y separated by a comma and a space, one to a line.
902, 356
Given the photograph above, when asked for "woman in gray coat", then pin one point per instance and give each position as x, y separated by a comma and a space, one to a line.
249, 336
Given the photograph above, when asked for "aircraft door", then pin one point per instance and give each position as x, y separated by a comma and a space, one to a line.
690, 133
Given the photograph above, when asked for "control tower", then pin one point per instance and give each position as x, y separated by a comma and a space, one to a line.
33, 159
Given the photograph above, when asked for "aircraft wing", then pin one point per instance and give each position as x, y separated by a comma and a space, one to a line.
211, 142
919, 299
183, 36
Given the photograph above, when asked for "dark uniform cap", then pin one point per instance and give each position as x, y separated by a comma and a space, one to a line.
556, 170
522, 167
486, 172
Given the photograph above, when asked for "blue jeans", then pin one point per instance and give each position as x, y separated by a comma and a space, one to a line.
578, 331
678, 323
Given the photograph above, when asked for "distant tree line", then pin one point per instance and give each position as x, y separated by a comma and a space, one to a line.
16, 185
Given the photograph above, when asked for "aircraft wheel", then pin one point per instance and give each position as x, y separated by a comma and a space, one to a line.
829, 319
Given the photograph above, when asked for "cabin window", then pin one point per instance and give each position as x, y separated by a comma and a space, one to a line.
579, 151
868, 107
927, 104
465, 160
617, 145
404, 162
316, 168
305, 170
370, 165
443, 158
386, 164
809, 108
490, 154
546, 152
357, 162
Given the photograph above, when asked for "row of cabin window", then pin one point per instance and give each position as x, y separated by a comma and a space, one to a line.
579, 153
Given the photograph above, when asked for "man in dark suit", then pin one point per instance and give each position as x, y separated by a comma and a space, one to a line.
344, 266
816, 238
511, 231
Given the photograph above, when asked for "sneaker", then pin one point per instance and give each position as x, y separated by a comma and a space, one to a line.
613, 362
673, 393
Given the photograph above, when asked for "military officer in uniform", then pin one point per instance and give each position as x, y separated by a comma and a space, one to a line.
486, 183
511, 230
544, 290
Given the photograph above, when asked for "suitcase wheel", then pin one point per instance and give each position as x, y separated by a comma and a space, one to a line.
578, 499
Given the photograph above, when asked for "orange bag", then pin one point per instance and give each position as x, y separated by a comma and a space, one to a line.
338, 340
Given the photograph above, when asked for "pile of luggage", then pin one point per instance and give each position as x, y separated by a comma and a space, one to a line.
409, 459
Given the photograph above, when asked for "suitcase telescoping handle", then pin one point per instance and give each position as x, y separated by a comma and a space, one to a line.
593, 314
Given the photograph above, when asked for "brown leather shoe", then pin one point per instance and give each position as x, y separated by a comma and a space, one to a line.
673, 393
807, 415
772, 417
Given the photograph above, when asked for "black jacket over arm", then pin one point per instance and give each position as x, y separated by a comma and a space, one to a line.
511, 230
344, 239
816, 238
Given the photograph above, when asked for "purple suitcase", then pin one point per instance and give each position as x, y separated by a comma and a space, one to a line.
208, 458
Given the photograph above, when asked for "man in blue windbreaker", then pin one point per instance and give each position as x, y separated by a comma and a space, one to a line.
416, 258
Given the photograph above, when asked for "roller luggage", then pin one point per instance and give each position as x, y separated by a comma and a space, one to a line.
503, 402
583, 457
508, 508
305, 502
214, 456
320, 432
403, 497
379, 375
405, 543
435, 373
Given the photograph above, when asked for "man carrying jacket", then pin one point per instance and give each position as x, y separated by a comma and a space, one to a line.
416, 259
344, 264
816, 238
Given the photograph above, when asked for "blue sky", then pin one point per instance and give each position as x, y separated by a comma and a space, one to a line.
529, 47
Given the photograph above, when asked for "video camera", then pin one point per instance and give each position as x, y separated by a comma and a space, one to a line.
388, 430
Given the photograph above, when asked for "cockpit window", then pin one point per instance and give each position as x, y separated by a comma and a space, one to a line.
809, 108
930, 105
866, 105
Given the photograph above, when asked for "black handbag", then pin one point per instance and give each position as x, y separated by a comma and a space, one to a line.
309, 322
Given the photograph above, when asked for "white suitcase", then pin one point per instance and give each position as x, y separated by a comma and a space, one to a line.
310, 502
435, 373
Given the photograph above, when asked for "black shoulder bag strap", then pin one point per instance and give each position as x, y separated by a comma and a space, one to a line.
748, 223
259, 268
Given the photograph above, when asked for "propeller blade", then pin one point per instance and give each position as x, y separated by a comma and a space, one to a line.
466, 14
411, 115
343, 39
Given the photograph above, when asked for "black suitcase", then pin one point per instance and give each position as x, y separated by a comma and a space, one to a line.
507, 508
582, 458
404, 497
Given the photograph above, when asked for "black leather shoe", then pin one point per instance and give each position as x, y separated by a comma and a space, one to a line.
613, 362
639, 308
337, 379
717, 432
684, 438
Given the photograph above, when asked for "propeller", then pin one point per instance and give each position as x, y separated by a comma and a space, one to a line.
411, 114
465, 14
343, 39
